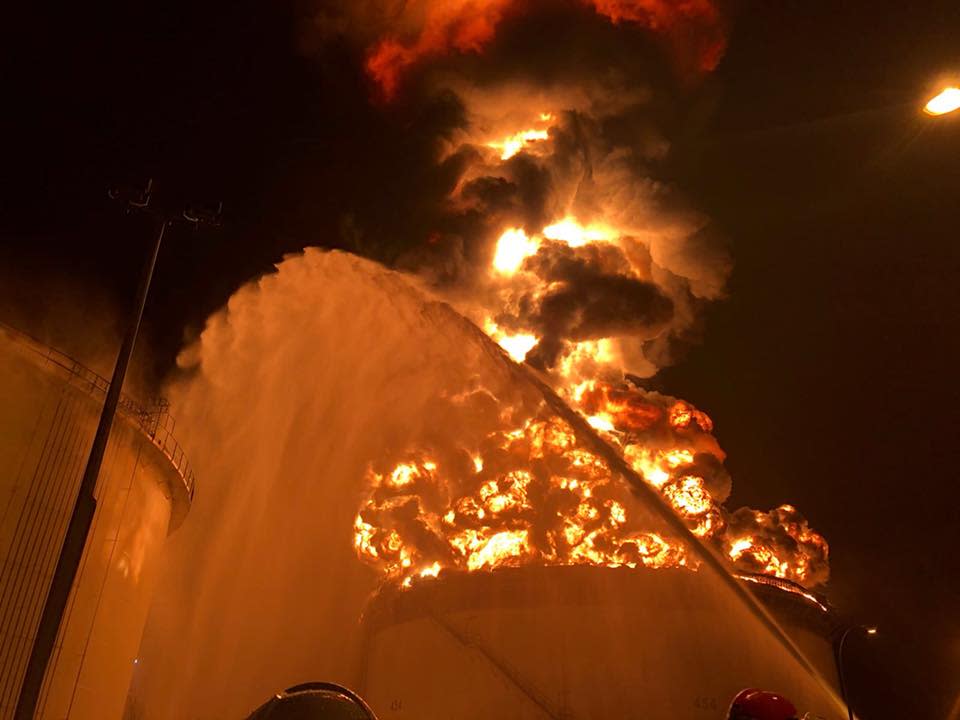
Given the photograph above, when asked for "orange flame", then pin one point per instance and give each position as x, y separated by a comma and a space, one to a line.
423, 517
513, 144
528, 493
530, 496
778, 543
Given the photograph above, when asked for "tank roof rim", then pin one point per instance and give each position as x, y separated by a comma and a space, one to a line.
154, 424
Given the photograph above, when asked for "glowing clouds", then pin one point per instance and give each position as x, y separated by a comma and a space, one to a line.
444, 26
698, 20
571, 292
417, 32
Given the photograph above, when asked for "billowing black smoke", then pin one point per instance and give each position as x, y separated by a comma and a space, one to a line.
608, 89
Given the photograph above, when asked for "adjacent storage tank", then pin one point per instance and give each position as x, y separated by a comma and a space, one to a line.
49, 407
579, 642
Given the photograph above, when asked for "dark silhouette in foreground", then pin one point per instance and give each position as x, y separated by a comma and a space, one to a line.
314, 701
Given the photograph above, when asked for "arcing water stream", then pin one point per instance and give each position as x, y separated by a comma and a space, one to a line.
308, 378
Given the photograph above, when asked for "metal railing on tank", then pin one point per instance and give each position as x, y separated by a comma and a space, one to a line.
153, 418
787, 586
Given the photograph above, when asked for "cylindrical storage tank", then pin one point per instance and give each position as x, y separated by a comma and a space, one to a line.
48, 415
805, 616
574, 642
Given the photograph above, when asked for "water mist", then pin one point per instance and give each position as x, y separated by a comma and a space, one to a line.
307, 377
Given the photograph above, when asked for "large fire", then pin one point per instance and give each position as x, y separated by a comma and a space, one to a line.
526, 495
584, 284
522, 140
530, 494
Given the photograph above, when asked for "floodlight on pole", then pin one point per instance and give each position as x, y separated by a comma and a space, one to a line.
866, 630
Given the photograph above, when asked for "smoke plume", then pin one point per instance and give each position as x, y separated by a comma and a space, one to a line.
549, 219
555, 116
332, 409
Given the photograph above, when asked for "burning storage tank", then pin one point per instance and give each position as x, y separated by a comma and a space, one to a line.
48, 417
421, 519
585, 642
578, 565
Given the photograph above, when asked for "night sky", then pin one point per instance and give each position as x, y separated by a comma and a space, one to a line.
830, 369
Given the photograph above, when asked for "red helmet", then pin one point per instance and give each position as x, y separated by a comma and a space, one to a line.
753, 704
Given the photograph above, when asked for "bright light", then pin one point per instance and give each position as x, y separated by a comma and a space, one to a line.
513, 248
510, 146
601, 422
871, 630
574, 234
517, 346
946, 101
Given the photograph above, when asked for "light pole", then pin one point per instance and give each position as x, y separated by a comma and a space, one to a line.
86, 504
866, 630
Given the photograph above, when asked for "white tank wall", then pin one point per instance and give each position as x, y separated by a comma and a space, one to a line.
574, 643
47, 420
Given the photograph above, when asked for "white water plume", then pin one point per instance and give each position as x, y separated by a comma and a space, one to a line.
307, 376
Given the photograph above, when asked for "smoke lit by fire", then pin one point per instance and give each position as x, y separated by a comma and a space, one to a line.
430, 28
556, 238
778, 543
